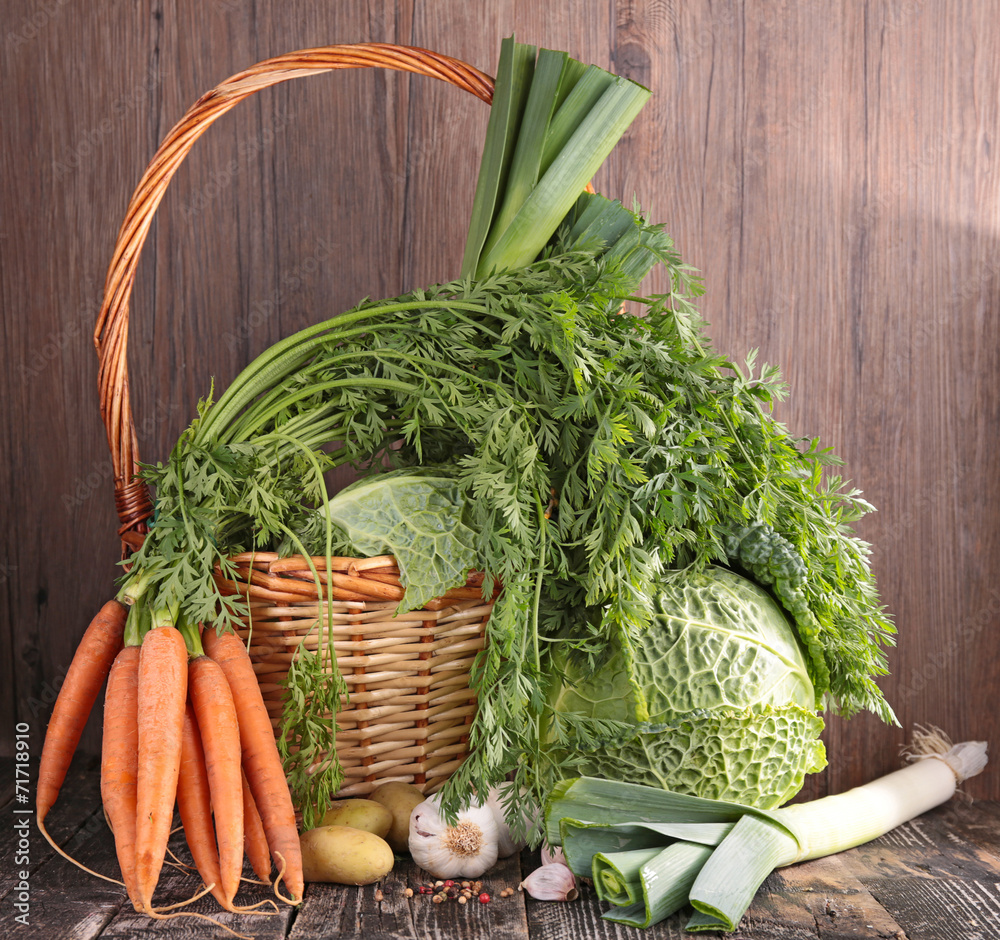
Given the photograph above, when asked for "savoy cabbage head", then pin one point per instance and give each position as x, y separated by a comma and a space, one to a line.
716, 701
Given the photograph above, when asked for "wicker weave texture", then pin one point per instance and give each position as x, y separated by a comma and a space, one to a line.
409, 705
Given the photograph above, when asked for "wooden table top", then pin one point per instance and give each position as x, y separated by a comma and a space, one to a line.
935, 878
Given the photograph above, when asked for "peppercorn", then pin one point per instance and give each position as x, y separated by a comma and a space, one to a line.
484, 898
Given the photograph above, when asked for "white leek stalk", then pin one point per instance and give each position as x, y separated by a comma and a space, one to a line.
843, 821
726, 884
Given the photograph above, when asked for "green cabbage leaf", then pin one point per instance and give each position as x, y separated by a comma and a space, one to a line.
417, 516
715, 700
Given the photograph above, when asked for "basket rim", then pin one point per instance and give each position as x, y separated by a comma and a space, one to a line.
300, 579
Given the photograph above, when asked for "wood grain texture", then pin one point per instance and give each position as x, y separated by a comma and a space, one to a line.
330, 910
828, 167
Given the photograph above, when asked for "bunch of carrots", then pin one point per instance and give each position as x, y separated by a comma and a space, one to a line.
184, 723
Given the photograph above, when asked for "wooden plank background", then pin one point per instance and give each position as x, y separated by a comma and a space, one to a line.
829, 167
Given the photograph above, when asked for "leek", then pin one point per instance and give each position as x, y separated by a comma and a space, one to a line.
663, 882
651, 851
616, 874
552, 124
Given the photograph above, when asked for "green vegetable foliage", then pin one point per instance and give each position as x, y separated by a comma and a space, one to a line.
594, 450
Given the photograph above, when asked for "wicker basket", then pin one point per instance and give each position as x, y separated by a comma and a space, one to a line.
410, 702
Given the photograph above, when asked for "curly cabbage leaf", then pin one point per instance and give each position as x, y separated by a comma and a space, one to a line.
773, 562
716, 700
419, 517
758, 756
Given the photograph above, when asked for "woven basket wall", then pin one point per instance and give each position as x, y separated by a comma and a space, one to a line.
409, 704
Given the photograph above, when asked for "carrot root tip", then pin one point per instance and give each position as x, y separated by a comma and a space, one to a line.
69, 858
279, 877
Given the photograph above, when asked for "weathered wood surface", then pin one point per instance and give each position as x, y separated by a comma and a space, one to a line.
829, 167
934, 878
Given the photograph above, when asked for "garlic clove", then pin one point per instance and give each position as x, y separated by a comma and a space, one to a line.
552, 882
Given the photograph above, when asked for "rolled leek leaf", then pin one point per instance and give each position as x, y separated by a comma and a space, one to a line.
664, 881
582, 842
616, 875
729, 879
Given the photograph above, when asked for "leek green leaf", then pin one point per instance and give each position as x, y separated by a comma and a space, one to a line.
727, 882
513, 83
587, 148
532, 134
616, 875
664, 882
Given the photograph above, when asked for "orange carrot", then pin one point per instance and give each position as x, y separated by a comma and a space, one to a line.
220, 736
194, 801
87, 672
120, 759
261, 760
162, 695
254, 837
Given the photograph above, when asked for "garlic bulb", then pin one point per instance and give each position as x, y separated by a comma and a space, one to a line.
552, 882
464, 850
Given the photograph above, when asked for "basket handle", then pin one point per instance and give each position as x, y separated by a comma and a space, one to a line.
132, 498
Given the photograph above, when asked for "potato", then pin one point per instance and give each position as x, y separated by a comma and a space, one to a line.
359, 814
344, 856
399, 799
